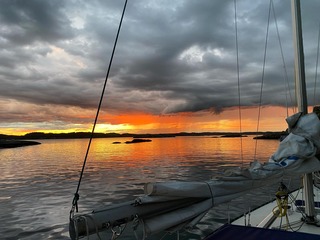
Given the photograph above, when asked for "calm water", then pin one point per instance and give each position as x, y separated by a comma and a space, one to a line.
37, 183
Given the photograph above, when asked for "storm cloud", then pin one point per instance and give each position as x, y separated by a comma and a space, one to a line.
171, 57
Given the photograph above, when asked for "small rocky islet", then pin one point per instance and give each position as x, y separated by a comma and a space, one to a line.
16, 143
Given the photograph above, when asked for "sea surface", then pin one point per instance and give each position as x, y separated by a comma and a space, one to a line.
37, 183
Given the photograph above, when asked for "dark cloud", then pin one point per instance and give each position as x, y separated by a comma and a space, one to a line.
24, 22
172, 56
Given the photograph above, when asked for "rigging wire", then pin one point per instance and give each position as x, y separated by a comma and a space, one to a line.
262, 78
286, 84
316, 75
76, 195
238, 78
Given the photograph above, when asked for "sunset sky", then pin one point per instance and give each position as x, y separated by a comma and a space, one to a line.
174, 68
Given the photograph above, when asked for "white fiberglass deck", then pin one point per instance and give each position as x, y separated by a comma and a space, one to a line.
293, 222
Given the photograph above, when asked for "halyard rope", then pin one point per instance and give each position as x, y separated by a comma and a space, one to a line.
76, 195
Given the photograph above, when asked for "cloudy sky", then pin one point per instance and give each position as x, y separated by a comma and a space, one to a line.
174, 68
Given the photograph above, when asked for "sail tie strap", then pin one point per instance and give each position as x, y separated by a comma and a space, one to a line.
211, 193
75, 203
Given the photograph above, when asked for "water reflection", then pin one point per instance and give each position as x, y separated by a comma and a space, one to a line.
38, 182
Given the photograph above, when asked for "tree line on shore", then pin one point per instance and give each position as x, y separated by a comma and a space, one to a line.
71, 135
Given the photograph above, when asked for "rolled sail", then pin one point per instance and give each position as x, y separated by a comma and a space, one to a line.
169, 205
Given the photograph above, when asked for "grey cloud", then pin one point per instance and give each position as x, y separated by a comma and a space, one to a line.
27, 21
172, 56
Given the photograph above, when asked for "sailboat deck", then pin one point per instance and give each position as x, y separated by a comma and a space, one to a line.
294, 222
236, 232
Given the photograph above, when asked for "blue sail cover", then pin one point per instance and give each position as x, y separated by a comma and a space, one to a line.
235, 232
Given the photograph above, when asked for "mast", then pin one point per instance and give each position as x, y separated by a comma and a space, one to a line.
301, 95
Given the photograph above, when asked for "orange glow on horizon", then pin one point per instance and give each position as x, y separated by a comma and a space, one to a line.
271, 119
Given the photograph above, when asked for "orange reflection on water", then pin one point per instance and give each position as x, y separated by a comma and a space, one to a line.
179, 151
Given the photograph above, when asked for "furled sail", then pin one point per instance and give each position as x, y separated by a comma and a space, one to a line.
171, 205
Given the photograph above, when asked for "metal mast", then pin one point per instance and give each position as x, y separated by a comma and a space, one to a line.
301, 95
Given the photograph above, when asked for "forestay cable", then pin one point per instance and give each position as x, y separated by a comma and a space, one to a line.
238, 78
76, 195
262, 78
286, 81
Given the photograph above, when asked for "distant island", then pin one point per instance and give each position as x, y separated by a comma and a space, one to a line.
12, 141
138, 140
16, 143
75, 135
233, 135
272, 135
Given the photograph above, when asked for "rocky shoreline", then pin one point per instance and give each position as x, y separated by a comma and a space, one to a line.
272, 136
16, 143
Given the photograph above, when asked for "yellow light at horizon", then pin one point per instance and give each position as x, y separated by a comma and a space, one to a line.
105, 127
273, 119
